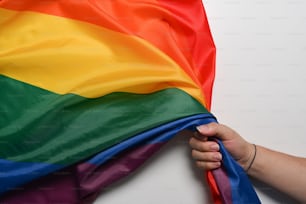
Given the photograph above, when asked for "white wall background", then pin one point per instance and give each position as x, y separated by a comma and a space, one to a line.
259, 91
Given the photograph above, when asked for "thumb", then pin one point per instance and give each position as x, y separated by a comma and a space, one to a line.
208, 130
217, 130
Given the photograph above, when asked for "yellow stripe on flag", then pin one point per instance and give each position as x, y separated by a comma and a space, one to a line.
70, 56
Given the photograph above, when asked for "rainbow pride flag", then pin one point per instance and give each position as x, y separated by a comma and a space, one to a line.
89, 90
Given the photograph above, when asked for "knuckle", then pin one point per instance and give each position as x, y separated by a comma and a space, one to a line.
202, 146
213, 124
207, 165
192, 142
194, 153
201, 165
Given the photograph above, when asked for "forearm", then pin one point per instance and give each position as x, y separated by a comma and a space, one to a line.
283, 172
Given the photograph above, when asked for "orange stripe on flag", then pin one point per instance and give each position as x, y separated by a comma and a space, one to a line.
216, 196
179, 29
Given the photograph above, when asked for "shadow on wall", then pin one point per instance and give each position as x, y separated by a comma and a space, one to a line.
179, 145
273, 194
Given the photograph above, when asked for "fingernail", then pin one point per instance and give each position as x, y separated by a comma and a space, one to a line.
218, 157
203, 128
214, 147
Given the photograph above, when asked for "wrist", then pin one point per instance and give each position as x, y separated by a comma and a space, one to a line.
249, 156
252, 159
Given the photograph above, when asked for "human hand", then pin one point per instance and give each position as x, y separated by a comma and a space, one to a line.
206, 152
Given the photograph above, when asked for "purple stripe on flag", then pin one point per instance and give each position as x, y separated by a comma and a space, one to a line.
93, 178
83, 182
58, 187
223, 184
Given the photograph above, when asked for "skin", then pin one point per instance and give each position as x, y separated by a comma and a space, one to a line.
287, 173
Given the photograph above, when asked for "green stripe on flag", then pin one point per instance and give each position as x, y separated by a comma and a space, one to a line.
40, 126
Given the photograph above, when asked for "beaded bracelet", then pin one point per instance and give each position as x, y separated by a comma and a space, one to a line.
252, 159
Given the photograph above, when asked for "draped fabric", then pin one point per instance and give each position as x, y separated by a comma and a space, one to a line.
89, 90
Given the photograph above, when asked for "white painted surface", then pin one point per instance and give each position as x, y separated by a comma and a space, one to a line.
259, 91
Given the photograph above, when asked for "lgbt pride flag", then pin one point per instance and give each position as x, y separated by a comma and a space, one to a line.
90, 89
